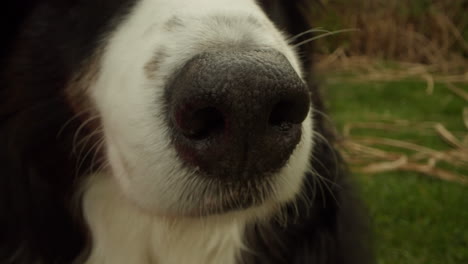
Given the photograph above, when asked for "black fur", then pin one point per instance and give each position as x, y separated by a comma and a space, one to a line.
38, 171
46, 41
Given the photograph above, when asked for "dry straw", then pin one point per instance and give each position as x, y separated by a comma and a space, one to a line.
427, 44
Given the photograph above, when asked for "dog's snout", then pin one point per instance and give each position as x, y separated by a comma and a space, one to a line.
237, 114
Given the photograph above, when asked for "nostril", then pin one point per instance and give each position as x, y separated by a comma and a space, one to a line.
289, 112
202, 123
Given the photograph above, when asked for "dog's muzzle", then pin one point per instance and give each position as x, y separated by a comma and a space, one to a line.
236, 114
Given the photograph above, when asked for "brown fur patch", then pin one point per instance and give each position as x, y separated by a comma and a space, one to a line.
173, 23
152, 67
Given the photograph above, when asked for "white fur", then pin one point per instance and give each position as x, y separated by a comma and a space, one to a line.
123, 233
137, 210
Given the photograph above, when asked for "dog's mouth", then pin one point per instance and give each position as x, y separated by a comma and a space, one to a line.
228, 197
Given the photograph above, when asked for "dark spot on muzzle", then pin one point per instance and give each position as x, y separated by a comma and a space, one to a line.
237, 114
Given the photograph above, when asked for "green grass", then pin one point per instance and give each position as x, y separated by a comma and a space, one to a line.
417, 219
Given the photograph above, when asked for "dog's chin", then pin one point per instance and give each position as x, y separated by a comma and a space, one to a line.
213, 208
204, 197
226, 199
230, 197
183, 191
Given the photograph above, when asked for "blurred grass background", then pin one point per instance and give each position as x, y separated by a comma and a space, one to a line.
397, 92
417, 219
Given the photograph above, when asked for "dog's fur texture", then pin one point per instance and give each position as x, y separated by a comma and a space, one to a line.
75, 79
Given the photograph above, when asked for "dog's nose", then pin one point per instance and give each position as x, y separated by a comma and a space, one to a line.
237, 114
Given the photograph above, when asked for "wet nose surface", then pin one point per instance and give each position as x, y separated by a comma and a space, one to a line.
237, 114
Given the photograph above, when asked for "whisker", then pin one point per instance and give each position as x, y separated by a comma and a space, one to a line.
69, 121
322, 114
319, 183
104, 165
323, 35
86, 138
96, 152
78, 130
82, 159
335, 158
323, 181
84, 141
304, 194
312, 30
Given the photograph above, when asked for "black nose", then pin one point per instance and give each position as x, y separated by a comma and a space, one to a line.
237, 114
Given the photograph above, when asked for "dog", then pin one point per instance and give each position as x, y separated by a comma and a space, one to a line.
157, 132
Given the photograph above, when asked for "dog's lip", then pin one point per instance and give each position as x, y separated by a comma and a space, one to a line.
214, 203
